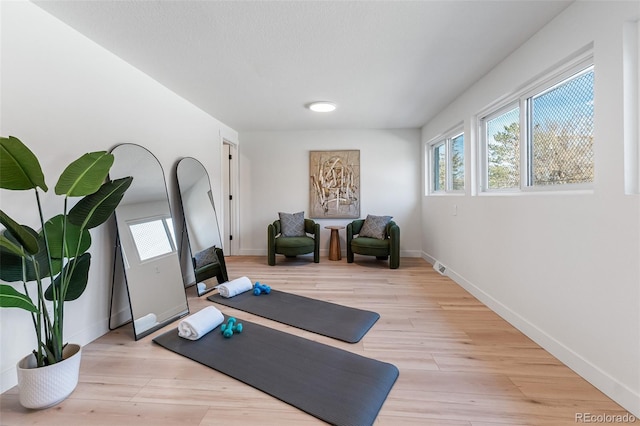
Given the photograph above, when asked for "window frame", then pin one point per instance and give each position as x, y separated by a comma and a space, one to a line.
574, 68
435, 171
445, 140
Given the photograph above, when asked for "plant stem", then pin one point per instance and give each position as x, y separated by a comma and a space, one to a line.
52, 337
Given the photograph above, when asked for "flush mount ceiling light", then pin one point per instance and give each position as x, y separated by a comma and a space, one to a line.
321, 106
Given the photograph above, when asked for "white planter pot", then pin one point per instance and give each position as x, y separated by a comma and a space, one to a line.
47, 386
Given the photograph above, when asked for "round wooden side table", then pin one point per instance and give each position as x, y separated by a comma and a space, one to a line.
334, 242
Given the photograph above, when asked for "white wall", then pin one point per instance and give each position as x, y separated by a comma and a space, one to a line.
275, 177
63, 95
562, 267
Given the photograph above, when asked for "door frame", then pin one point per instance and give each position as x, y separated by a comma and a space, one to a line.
231, 212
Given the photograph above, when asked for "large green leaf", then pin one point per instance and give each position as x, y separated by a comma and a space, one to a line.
77, 240
10, 265
20, 232
12, 298
95, 209
11, 269
85, 175
13, 256
20, 168
11, 246
77, 281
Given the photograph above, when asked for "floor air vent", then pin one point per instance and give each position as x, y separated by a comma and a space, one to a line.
440, 268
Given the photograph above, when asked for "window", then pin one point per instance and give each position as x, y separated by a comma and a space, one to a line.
457, 163
447, 163
439, 167
502, 135
544, 138
153, 238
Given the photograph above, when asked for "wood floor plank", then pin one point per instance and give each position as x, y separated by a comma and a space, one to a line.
460, 363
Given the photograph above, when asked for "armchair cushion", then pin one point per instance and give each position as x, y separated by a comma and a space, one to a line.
294, 245
375, 226
370, 246
292, 224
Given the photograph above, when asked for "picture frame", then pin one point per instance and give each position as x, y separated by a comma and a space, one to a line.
334, 184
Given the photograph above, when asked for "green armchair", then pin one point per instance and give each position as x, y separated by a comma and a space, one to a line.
293, 246
210, 263
381, 248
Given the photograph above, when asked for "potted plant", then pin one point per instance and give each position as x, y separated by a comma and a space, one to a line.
56, 258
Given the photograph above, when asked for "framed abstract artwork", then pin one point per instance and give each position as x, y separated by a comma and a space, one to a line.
334, 184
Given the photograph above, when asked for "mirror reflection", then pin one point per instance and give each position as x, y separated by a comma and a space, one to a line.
201, 225
147, 242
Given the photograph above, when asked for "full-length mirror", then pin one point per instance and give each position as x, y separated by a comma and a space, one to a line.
147, 242
201, 225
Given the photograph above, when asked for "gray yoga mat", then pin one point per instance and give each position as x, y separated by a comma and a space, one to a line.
339, 387
317, 316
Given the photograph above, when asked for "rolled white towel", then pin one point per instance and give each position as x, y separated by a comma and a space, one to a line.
145, 322
235, 287
197, 325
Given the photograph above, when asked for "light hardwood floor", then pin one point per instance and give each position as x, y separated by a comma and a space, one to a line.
460, 363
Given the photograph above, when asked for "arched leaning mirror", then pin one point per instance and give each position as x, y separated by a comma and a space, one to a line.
201, 225
147, 242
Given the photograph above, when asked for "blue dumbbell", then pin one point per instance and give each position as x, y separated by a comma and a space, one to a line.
258, 289
231, 327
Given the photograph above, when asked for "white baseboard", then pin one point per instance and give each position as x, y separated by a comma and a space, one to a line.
608, 385
323, 252
121, 317
252, 252
8, 378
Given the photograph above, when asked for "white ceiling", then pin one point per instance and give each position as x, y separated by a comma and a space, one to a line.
255, 64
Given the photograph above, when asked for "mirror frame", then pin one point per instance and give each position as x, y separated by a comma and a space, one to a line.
221, 272
172, 317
